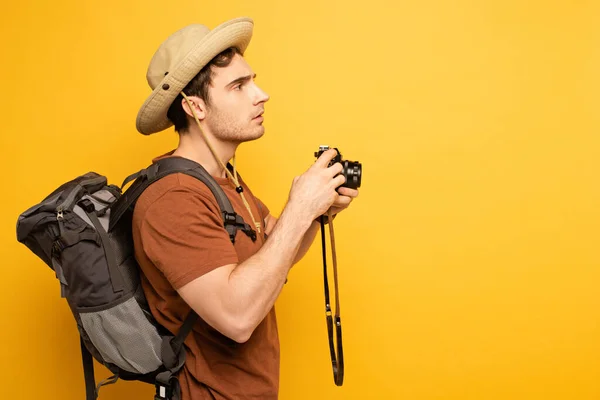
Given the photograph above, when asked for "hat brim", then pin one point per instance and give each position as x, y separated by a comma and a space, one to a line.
152, 116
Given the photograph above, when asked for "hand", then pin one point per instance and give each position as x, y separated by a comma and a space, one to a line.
343, 200
314, 192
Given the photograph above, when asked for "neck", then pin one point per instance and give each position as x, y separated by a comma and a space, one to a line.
193, 146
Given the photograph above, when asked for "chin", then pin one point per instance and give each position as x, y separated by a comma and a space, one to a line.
255, 135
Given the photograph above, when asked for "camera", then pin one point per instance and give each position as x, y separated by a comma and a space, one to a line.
352, 170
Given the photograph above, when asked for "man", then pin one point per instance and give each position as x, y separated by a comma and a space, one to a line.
203, 86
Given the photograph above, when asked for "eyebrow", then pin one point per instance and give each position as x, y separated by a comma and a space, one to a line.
241, 79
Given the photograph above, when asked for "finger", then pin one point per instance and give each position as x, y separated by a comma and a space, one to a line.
348, 192
342, 201
339, 180
325, 158
335, 169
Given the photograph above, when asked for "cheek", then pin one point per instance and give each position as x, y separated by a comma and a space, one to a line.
232, 105
219, 110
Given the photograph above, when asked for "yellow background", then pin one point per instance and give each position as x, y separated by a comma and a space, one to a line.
469, 263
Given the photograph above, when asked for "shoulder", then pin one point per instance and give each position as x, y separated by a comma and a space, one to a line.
174, 194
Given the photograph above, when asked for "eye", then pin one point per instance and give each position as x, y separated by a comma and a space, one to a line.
238, 87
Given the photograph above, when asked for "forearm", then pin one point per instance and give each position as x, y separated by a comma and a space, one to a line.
307, 240
255, 284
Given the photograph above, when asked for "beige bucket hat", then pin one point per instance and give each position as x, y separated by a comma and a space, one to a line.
179, 59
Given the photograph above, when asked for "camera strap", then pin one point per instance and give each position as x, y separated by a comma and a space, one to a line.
337, 362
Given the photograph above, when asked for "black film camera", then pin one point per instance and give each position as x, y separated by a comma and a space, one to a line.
352, 170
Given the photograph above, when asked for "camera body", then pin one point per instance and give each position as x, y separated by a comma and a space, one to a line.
352, 170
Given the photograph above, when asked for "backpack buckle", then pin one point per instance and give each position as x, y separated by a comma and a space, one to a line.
236, 220
167, 386
230, 218
86, 205
163, 392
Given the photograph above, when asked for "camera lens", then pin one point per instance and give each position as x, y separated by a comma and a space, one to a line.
353, 173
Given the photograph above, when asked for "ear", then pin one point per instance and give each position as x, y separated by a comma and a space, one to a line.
198, 105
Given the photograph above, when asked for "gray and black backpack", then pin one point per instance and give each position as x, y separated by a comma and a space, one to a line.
82, 231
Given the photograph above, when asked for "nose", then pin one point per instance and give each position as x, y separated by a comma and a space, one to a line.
260, 96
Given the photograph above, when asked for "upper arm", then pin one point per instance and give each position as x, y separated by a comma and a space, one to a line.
207, 296
182, 235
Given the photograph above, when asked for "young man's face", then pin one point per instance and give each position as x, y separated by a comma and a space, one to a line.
234, 113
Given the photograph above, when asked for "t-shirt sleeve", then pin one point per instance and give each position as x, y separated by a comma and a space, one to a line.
182, 234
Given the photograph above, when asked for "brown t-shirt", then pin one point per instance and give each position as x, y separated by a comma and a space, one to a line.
178, 236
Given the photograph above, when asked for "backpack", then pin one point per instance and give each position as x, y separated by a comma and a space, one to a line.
82, 231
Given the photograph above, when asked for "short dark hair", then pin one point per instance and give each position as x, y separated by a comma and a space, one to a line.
198, 86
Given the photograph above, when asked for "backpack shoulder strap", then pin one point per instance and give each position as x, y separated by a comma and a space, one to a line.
171, 165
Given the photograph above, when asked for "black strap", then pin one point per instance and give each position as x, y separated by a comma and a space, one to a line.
337, 362
172, 352
158, 170
132, 177
88, 372
186, 328
166, 166
111, 258
173, 356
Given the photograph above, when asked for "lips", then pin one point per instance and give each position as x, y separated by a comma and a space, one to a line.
259, 114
